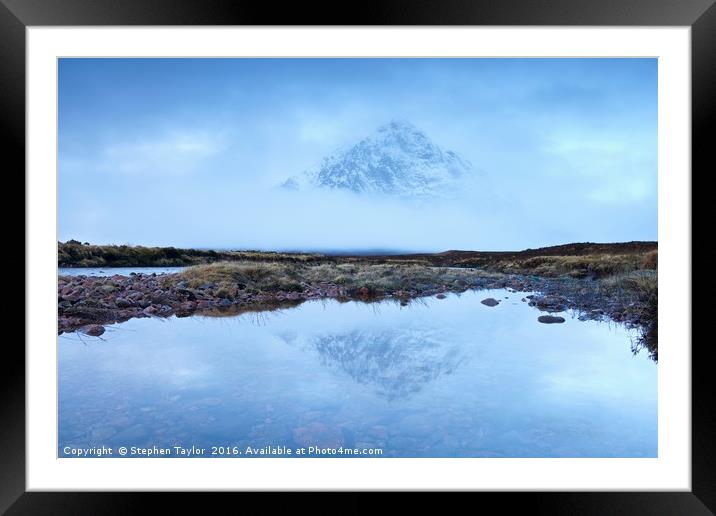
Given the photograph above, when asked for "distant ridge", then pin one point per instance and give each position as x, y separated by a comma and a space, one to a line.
73, 253
576, 249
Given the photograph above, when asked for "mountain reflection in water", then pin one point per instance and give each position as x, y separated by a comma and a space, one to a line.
397, 362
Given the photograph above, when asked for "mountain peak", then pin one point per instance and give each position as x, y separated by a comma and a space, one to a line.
397, 159
398, 125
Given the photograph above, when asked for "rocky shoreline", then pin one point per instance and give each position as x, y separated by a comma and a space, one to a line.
87, 303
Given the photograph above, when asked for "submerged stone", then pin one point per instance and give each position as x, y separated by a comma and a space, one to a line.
550, 319
490, 302
93, 330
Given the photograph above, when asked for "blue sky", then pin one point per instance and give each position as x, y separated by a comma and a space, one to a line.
187, 152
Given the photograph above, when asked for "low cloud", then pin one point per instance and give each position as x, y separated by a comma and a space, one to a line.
172, 153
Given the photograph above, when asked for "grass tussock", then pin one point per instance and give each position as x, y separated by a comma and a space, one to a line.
641, 282
249, 276
649, 338
592, 266
375, 278
641, 291
635, 295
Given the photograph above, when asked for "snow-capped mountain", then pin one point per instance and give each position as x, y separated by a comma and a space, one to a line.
398, 159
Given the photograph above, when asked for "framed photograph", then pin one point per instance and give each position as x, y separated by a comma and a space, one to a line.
416, 250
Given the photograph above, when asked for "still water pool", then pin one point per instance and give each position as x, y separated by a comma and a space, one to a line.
438, 378
111, 271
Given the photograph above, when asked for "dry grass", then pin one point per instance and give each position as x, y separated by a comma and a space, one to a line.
641, 290
597, 266
251, 276
77, 254
375, 277
650, 260
636, 293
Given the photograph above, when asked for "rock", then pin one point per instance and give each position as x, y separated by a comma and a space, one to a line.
187, 293
93, 330
122, 303
550, 319
549, 303
440, 296
74, 296
490, 302
124, 315
189, 306
150, 310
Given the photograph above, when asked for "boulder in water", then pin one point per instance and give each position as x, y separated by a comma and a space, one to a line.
93, 330
550, 319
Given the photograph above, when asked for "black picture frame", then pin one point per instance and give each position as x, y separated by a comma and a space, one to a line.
700, 15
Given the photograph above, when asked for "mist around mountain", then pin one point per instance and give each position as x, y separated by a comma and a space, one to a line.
398, 159
394, 189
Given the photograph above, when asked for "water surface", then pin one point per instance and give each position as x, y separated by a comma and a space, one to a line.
111, 271
439, 378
